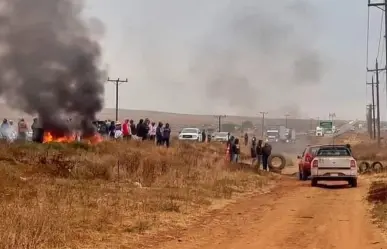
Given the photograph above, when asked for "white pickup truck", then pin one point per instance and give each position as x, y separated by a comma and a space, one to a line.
334, 163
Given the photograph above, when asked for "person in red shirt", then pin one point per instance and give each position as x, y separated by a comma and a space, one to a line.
126, 131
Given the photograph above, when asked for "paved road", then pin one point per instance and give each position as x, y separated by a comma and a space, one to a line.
293, 216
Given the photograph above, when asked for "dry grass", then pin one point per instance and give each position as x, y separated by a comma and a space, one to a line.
108, 195
370, 152
377, 196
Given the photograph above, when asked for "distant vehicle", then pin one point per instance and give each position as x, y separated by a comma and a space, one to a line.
272, 135
334, 163
305, 161
220, 136
291, 137
190, 134
319, 131
283, 133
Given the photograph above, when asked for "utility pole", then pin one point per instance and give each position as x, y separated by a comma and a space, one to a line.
382, 6
377, 70
219, 117
331, 117
373, 123
311, 124
117, 82
377, 101
263, 123
369, 120
286, 120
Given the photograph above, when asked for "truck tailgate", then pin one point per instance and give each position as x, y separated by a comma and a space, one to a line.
334, 162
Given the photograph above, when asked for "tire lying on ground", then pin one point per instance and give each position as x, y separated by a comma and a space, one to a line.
281, 166
377, 167
364, 166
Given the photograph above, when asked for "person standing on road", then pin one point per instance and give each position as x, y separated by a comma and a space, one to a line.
253, 150
159, 134
166, 135
126, 130
152, 131
22, 130
349, 148
266, 152
112, 130
259, 153
246, 139
133, 127
230, 142
235, 151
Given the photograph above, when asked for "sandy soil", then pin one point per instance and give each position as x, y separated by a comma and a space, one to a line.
293, 215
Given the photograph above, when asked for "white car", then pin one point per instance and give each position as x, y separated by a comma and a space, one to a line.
334, 163
190, 134
220, 136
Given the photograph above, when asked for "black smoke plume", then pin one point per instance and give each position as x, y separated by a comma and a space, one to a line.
49, 63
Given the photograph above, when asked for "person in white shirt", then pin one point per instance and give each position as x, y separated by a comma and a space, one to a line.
152, 131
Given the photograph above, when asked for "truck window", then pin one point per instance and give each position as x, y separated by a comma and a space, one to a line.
314, 150
333, 151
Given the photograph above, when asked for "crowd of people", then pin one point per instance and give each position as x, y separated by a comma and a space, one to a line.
10, 131
260, 152
143, 130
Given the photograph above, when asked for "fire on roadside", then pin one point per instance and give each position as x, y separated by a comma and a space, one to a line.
49, 137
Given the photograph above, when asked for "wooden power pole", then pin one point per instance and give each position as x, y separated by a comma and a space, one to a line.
263, 123
377, 70
117, 82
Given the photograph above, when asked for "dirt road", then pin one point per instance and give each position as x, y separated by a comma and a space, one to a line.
293, 216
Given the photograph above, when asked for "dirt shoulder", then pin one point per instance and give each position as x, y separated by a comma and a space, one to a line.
293, 215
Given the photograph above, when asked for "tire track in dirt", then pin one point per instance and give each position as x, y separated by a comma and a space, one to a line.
293, 215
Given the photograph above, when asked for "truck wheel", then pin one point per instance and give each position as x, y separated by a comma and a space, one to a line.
314, 182
353, 183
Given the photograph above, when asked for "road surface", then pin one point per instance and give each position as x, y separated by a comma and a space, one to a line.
292, 216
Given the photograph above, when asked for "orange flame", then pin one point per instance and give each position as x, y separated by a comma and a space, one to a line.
49, 137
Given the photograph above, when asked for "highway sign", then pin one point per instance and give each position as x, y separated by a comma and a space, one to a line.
326, 125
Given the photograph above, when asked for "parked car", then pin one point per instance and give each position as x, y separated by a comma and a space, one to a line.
306, 158
334, 163
190, 134
220, 136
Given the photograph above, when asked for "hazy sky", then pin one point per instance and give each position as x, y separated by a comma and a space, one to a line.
306, 58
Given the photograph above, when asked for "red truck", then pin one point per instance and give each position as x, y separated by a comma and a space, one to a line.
305, 161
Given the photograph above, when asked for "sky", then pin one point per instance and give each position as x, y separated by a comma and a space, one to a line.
297, 57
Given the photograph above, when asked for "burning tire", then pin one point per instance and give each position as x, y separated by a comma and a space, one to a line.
272, 162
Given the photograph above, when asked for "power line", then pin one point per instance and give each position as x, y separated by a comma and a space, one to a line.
117, 82
380, 35
382, 6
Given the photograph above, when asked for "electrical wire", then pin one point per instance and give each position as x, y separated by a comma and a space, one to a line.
380, 35
367, 51
368, 37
